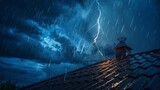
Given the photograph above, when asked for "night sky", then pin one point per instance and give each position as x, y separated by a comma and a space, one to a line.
44, 38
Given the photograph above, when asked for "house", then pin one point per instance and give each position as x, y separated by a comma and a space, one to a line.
139, 71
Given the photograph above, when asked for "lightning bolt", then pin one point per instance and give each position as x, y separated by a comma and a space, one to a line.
98, 22
99, 27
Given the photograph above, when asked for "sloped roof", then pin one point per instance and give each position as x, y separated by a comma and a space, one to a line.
138, 71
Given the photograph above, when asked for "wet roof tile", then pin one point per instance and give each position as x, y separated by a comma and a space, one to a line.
146, 64
152, 70
139, 83
157, 63
134, 66
138, 71
152, 59
124, 74
157, 54
154, 83
124, 84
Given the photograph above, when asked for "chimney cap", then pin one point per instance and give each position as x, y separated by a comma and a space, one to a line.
122, 43
122, 39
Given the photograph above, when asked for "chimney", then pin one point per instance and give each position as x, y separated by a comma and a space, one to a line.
122, 49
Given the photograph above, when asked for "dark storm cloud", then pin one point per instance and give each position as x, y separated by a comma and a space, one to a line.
22, 46
20, 39
13, 13
83, 31
39, 10
69, 53
158, 2
25, 72
21, 71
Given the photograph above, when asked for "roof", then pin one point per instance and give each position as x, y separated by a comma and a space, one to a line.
138, 71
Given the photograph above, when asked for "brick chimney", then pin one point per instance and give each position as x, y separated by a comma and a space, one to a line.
122, 49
